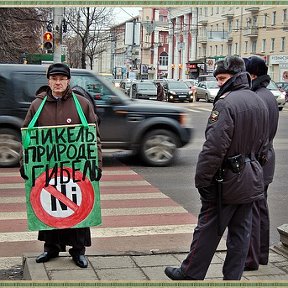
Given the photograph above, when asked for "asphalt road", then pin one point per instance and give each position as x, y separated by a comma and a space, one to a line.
177, 181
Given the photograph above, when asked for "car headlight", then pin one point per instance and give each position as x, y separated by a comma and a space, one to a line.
172, 92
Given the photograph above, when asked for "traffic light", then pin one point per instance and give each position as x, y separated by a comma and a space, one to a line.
48, 41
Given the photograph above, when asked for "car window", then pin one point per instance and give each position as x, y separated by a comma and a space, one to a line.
99, 91
177, 85
212, 85
272, 86
26, 85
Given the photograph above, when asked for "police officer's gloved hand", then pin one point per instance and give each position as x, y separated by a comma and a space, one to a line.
22, 173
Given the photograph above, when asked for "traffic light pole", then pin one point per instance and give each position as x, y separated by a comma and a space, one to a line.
57, 33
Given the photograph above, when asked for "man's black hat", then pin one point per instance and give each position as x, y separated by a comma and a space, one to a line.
60, 69
230, 65
256, 66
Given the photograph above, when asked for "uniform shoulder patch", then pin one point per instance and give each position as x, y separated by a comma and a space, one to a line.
213, 116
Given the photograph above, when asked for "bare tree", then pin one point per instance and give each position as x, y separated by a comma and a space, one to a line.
90, 27
20, 32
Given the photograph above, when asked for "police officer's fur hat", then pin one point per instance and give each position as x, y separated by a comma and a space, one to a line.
230, 65
58, 68
256, 66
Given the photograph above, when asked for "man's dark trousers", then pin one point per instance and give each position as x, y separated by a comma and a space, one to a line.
238, 219
259, 243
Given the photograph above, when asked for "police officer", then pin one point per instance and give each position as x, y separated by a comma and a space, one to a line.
259, 243
236, 133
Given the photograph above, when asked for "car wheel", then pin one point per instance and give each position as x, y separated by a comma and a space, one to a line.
280, 108
206, 98
159, 147
10, 145
196, 98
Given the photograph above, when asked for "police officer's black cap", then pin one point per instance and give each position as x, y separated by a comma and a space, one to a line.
256, 65
58, 69
230, 65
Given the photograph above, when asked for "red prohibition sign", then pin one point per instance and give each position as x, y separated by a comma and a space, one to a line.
80, 212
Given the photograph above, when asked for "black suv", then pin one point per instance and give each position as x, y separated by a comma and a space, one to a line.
152, 130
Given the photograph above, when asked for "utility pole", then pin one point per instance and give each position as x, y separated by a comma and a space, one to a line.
57, 33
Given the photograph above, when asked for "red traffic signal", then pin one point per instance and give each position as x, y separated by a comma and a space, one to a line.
48, 40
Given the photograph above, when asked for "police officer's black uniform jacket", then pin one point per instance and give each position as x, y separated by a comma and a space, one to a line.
237, 125
259, 87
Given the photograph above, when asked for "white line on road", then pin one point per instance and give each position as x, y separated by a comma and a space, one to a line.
110, 212
130, 196
108, 232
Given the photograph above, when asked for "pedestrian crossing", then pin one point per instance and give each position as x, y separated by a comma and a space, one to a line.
131, 209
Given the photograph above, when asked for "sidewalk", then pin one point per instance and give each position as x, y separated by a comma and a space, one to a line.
143, 267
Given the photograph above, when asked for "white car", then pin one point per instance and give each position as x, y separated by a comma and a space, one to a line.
206, 90
280, 96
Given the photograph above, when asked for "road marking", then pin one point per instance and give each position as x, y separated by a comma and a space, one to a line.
109, 212
97, 232
102, 184
134, 196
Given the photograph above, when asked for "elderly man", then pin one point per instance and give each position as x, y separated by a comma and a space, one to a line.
59, 109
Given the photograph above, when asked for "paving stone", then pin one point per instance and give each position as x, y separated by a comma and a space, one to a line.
78, 274
269, 269
112, 262
121, 274
215, 271
60, 263
155, 273
154, 260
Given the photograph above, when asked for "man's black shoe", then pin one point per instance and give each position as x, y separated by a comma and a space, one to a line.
80, 260
176, 274
247, 268
46, 256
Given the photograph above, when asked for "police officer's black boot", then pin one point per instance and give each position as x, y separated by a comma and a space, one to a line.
176, 274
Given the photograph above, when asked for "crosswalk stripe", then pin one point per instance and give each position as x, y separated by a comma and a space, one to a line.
109, 212
7, 200
97, 232
105, 172
102, 184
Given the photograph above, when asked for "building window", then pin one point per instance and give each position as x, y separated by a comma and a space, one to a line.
263, 45
211, 51
273, 20
230, 26
253, 46
163, 59
284, 15
222, 49
282, 44
236, 49
265, 20
217, 9
229, 49
246, 47
237, 24
272, 44
216, 50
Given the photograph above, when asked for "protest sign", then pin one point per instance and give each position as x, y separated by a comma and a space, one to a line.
61, 164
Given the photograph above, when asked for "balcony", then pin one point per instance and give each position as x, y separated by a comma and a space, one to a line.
228, 15
202, 39
251, 31
252, 9
203, 22
229, 37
